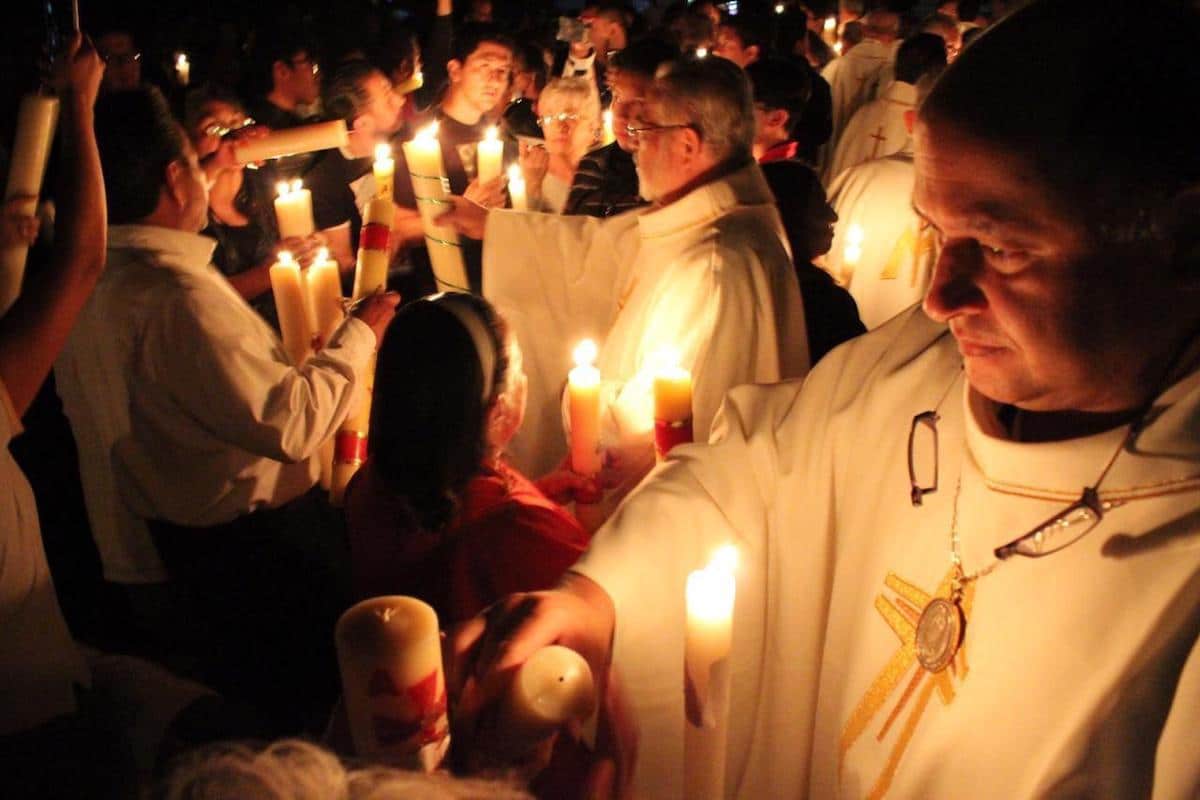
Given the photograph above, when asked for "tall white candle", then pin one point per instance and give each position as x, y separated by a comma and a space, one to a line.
293, 141
431, 189
710, 601
390, 657
36, 120
489, 156
290, 306
608, 136
293, 209
516, 189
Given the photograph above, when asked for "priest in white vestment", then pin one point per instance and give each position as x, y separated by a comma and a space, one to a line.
703, 272
879, 128
970, 541
854, 79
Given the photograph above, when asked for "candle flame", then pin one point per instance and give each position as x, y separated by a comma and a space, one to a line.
514, 174
830, 23
725, 558
282, 188
181, 61
701, 52
491, 134
585, 353
779, 8
382, 151
430, 131
297, 185
855, 234
837, 48
322, 255
285, 257
710, 594
608, 117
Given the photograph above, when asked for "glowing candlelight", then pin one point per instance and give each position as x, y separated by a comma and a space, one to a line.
411, 85
385, 170
701, 52
516, 189
837, 47
852, 252
489, 156
183, 68
609, 137
583, 392
710, 595
672, 401
293, 209
779, 8
290, 306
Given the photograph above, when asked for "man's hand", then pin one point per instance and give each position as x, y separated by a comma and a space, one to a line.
304, 248
484, 652
377, 311
17, 226
488, 195
466, 217
563, 486
78, 70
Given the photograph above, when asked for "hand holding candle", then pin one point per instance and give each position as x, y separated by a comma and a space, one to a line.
710, 596
293, 209
552, 688
37, 118
390, 657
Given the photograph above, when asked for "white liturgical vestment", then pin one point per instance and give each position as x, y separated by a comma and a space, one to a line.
891, 266
708, 276
876, 130
854, 79
1079, 672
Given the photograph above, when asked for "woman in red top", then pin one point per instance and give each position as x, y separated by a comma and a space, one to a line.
436, 513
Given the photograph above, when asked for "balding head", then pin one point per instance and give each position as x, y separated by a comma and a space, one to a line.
1047, 84
883, 26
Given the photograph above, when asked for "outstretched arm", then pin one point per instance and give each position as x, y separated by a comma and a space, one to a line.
35, 329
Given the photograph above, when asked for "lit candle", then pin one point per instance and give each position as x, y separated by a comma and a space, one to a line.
290, 307
701, 52
710, 597
489, 156
672, 402
293, 141
830, 31
411, 85
324, 288
350, 443
36, 120
516, 189
183, 69
390, 657
852, 250
583, 400
431, 189
837, 47
609, 136
553, 687
293, 209
779, 8
385, 171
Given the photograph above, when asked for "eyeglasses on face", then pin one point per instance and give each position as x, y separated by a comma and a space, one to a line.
637, 131
306, 61
563, 118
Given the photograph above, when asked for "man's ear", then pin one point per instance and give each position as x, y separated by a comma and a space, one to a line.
176, 182
454, 70
777, 118
692, 143
753, 51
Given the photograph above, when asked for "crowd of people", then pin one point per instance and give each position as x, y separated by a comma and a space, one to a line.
931, 297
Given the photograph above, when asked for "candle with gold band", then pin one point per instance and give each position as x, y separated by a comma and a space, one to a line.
390, 658
385, 171
293, 210
323, 287
36, 120
293, 141
431, 189
489, 156
710, 594
672, 402
291, 307
516, 189
411, 85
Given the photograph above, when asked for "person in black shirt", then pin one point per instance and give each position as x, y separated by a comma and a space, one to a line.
362, 95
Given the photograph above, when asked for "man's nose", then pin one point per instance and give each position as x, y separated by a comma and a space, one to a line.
954, 288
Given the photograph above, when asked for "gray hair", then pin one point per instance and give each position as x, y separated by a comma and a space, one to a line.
715, 97
581, 92
291, 769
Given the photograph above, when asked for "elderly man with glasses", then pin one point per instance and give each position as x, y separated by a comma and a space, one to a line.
703, 273
970, 541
